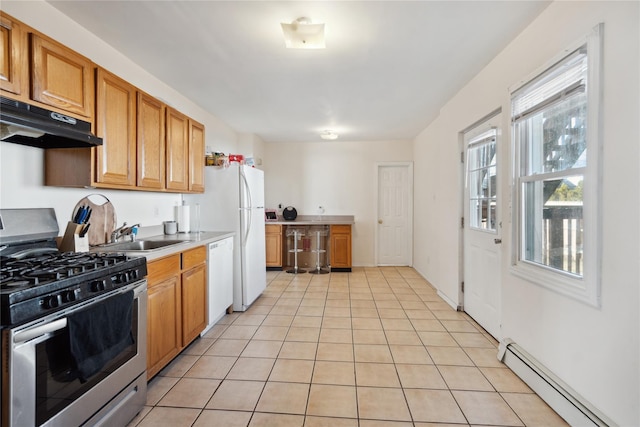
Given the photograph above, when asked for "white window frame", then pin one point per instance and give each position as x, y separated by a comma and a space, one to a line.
587, 287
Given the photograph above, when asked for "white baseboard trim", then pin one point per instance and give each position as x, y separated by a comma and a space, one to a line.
449, 301
575, 409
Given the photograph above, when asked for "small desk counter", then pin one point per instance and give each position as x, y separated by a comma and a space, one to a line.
336, 242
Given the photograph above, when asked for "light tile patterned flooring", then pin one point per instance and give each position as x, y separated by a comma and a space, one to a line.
375, 347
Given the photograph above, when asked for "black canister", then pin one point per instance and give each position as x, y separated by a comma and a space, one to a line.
289, 213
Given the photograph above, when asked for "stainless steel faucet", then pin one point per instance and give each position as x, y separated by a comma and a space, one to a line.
124, 231
118, 233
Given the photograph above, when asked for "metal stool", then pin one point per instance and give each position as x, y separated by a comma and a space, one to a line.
295, 233
318, 250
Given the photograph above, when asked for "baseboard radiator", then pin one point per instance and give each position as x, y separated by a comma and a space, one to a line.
575, 410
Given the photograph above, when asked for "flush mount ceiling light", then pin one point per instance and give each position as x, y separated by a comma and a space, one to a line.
328, 135
302, 34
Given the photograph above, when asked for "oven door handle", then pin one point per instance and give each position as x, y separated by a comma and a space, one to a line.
37, 331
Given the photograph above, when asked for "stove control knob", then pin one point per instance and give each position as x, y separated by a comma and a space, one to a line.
51, 302
69, 295
98, 286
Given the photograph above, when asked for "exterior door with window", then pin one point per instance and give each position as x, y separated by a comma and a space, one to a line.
395, 214
482, 226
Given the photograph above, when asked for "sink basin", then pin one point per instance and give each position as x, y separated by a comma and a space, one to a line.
140, 245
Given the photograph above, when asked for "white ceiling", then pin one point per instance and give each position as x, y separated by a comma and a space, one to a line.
388, 68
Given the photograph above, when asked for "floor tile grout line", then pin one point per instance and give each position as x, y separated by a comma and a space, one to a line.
404, 309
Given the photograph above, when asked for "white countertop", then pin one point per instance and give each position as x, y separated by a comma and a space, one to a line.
191, 240
316, 220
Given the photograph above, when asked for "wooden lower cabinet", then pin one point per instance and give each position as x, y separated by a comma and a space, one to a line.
273, 241
339, 246
163, 314
164, 333
194, 293
340, 238
176, 310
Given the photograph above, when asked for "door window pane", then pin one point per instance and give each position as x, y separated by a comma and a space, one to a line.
481, 173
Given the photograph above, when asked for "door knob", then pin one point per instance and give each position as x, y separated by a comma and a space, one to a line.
497, 241
379, 221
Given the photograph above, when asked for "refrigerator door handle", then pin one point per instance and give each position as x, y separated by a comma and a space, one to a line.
247, 190
246, 209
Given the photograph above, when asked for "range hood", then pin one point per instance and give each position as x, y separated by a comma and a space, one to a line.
27, 124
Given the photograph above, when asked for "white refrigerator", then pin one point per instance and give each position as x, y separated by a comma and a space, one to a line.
234, 201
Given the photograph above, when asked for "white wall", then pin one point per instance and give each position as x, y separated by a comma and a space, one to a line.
595, 350
337, 175
21, 176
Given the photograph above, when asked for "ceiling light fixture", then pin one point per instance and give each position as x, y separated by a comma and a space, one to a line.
302, 34
328, 135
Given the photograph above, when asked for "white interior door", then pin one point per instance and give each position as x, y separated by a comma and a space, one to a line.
394, 231
482, 226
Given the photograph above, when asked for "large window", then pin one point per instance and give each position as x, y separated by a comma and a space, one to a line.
555, 131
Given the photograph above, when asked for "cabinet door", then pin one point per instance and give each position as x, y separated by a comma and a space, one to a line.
177, 150
340, 246
61, 77
196, 157
194, 303
14, 70
273, 242
150, 142
163, 324
115, 123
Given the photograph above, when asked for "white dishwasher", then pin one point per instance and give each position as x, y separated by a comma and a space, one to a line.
220, 274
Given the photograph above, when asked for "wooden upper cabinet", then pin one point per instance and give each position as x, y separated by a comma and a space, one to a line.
177, 150
151, 142
14, 68
196, 157
115, 124
61, 77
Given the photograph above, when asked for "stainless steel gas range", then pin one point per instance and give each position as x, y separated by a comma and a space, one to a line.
73, 328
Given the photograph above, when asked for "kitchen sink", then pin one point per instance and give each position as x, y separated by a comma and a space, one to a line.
140, 245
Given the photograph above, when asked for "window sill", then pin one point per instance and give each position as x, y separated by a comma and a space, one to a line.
578, 288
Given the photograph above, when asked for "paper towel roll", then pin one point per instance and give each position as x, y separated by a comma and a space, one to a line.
183, 216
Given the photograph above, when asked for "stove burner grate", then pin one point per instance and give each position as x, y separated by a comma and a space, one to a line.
47, 268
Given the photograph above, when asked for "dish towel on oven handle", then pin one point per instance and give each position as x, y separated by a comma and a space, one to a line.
99, 333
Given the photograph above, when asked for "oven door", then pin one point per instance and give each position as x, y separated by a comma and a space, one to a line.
41, 386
